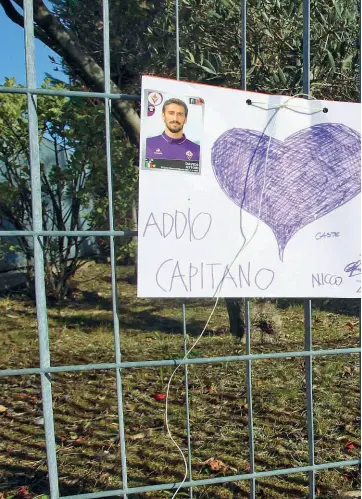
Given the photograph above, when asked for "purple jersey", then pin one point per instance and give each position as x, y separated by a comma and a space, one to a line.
165, 147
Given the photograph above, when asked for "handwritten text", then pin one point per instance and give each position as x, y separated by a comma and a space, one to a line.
188, 276
179, 224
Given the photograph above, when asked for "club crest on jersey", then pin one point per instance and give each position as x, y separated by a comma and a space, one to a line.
189, 155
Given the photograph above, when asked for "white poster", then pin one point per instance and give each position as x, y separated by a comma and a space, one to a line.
247, 195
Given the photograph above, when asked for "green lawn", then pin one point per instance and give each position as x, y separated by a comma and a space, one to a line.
85, 403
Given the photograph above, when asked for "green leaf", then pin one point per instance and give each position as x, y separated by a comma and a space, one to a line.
208, 64
281, 76
331, 60
276, 78
208, 70
190, 56
337, 7
347, 62
291, 9
251, 70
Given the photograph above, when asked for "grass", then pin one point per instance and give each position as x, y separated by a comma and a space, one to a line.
85, 403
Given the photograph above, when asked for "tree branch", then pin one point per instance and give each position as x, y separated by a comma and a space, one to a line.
66, 45
18, 19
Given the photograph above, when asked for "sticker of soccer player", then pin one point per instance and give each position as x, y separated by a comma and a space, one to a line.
172, 150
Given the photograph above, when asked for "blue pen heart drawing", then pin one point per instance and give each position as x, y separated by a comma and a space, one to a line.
308, 175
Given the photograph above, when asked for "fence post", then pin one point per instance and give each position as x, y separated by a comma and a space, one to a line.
249, 398
41, 305
189, 456
308, 303
116, 328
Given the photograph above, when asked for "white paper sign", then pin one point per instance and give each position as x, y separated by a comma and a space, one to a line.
244, 194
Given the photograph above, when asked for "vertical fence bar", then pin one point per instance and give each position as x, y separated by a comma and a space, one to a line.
116, 329
243, 45
184, 323
247, 303
177, 19
360, 308
308, 303
41, 306
249, 398
309, 388
189, 457
360, 355
306, 46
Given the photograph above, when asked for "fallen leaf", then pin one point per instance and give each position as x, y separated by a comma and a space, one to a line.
34, 399
20, 396
352, 444
159, 396
350, 325
137, 436
3, 408
78, 442
22, 493
260, 382
347, 371
217, 465
347, 441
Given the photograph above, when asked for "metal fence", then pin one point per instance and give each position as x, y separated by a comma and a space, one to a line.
45, 369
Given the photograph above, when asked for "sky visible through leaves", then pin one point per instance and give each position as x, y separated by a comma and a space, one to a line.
12, 54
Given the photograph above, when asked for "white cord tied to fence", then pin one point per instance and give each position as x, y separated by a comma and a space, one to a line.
241, 249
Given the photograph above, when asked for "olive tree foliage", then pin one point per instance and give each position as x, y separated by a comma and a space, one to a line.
142, 40
73, 179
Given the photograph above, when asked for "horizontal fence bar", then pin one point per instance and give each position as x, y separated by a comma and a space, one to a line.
67, 93
213, 481
176, 362
61, 233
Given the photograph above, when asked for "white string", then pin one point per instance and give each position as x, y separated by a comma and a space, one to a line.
291, 108
218, 289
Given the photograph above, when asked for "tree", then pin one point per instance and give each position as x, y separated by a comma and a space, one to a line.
142, 38
73, 174
142, 35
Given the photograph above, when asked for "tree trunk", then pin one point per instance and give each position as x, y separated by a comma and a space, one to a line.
54, 34
135, 238
236, 316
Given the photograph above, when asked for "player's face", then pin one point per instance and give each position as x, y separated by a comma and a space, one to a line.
174, 117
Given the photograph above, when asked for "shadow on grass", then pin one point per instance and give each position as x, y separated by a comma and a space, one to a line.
97, 406
345, 306
144, 320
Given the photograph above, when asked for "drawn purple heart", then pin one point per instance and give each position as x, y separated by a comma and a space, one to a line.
309, 174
